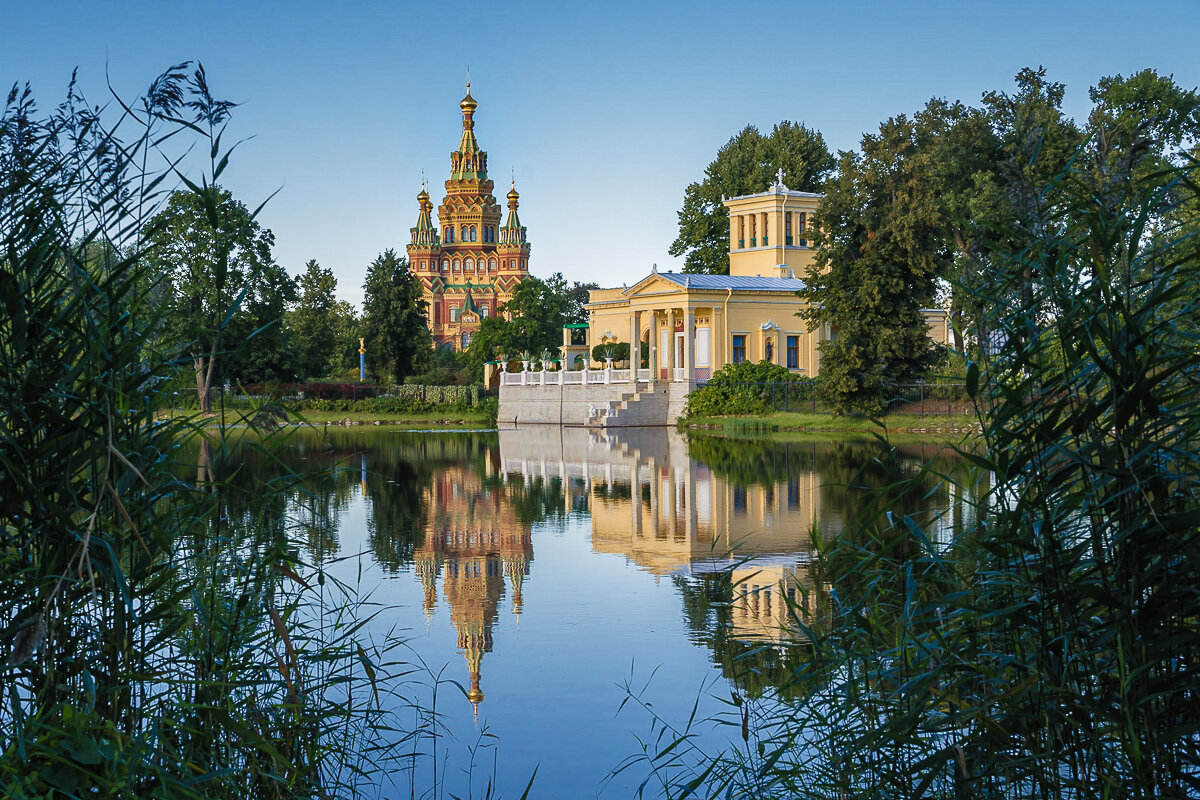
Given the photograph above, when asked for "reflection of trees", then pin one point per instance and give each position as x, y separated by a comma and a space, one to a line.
867, 488
754, 667
324, 468
400, 469
537, 500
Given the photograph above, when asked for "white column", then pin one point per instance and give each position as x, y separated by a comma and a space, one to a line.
635, 337
689, 343
671, 345
652, 343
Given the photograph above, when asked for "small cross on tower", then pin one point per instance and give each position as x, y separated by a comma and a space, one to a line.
779, 178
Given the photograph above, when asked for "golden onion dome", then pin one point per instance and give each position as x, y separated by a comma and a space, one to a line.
468, 103
512, 194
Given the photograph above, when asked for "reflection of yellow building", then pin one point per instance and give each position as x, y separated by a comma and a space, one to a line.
667, 513
769, 601
695, 324
473, 540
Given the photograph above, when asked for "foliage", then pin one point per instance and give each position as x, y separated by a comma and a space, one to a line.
746, 164
880, 250
618, 351
404, 399
160, 637
536, 314
216, 259
322, 328
579, 295
394, 324
744, 388
1049, 647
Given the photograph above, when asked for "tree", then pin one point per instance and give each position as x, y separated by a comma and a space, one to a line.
746, 164
313, 322
224, 293
579, 293
880, 247
394, 326
530, 322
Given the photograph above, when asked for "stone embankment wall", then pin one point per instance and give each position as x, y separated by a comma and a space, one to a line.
597, 405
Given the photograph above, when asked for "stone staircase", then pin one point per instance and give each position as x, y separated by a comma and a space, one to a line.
644, 406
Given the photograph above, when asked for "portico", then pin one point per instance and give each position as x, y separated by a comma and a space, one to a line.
687, 326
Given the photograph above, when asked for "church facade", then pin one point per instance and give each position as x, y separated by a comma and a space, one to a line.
468, 264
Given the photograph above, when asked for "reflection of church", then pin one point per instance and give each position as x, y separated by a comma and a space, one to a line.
473, 540
670, 514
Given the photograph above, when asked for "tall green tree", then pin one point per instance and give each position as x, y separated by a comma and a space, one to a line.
747, 163
224, 293
880, 247
530, 322
313, 322
394, 325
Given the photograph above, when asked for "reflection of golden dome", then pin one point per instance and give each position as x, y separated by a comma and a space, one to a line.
475, 696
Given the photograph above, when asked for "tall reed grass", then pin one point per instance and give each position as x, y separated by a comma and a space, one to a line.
1051, 649
160, 637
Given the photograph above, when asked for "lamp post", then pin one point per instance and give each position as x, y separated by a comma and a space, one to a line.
362, 361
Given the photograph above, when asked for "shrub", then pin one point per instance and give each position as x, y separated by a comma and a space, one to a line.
620, 352
747, 388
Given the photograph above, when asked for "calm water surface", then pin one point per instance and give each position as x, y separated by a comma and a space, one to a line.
541, 572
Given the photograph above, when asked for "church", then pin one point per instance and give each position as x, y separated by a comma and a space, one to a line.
469, 264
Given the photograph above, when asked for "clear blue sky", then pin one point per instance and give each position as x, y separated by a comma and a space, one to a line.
605, 111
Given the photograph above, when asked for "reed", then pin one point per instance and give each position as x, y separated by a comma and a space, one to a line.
161, 638
1050, 648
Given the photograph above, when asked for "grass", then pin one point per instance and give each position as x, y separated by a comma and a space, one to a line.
474, 418
793, 421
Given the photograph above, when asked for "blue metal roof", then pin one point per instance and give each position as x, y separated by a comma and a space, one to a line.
735, 282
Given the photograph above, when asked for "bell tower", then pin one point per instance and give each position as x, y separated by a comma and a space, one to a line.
470, 270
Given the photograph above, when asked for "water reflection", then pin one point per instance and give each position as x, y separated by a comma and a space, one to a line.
473, 540
727, 523
694, 554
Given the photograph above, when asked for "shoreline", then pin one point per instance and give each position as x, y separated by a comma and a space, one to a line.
905, 425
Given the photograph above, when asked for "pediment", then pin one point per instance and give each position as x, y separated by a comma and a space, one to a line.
653, 284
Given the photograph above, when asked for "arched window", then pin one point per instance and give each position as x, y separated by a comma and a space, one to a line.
465, 232
469, 265
445, 265
456, 265
483, 312
449, 235
492, 265
472, 233
454, 313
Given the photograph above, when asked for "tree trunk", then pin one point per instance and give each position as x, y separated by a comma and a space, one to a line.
205, 367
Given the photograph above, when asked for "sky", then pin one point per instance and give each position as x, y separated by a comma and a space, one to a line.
604, 112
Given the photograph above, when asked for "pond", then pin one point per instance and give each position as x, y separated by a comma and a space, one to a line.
546, 577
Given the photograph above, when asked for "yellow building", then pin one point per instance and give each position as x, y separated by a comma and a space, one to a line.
469, 268
696, 324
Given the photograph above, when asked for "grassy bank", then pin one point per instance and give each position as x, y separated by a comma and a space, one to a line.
472, 418
954, 425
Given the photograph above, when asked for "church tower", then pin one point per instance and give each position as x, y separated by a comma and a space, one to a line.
471, 268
